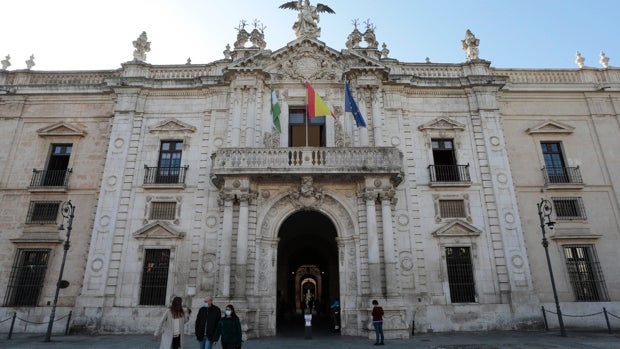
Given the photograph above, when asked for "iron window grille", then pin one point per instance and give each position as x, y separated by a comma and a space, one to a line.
460, 275
584, 271
154, 277
452, 208
43, 212
27, 277
163, 211
569, 208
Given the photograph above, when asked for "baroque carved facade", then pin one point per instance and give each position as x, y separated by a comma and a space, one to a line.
177, 171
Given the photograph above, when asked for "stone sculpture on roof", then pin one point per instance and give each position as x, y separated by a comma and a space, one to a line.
470, 45
141, 47
308, 18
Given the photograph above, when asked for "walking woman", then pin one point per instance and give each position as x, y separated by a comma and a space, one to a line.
229, 328
171, 325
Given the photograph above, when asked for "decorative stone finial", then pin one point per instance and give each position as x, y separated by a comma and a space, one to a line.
227, 52
242, 35
369, 35
6, 62
604, 60
189, 61
308, 18
354, 39
427, 60
579, 60
384, 51
257, 37
30, 62
470, 45
142, 46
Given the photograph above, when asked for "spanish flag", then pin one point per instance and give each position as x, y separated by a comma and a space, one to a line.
316, 106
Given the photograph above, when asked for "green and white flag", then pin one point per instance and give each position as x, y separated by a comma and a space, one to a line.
275, 109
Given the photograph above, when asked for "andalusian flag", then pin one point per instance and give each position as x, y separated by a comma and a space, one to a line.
316, 105
275, 109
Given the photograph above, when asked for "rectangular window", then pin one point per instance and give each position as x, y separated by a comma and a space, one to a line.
569, 208
299, 127
444, 159
585, 273
460, 275
452, 208
169, 167
554, 162
163, 210
43, 212
154, 277
27, 276
57, 165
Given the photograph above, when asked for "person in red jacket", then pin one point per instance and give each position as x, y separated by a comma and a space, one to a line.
377, 321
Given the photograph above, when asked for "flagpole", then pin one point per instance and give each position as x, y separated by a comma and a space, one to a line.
307, 116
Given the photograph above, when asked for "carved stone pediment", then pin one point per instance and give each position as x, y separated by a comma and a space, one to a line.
307, 59
62, 129
442, 123
457, 228
550, 127
172, 125
158, 230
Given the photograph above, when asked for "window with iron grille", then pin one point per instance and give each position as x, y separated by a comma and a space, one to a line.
43, 212
162, 210
585, 273
460, 275
154, 277
452, 208
569, 208
27, 276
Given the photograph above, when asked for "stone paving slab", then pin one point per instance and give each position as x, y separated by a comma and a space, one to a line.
450, 340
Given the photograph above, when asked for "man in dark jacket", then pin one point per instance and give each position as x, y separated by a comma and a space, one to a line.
206, 323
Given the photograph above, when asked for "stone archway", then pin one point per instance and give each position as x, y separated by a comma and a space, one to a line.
307, 271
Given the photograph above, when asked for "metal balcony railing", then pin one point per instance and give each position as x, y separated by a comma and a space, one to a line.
449, 173
165, 175
307, 160
559, 175
50, 178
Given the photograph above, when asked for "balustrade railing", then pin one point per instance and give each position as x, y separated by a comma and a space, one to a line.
559, 175
49, 178
449, 173
165, 175
314, 159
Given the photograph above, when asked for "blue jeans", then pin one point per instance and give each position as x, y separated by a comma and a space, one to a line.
206, 344
378, 330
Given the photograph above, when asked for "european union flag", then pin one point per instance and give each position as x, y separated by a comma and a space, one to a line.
351, 106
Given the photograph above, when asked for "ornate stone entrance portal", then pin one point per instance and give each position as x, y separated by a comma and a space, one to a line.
308, 275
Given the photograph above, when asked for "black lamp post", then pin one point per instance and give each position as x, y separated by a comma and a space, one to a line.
68, 212
544, 213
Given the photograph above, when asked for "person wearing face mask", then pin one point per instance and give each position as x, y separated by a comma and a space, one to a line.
229, 329
206, 323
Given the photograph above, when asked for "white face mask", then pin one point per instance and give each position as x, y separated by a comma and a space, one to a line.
206, 305
228, 312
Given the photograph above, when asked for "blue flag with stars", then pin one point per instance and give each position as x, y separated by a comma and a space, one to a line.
351, 106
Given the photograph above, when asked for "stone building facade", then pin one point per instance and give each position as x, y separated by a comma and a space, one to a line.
184, 187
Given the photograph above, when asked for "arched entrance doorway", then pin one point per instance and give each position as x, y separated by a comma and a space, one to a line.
307, 271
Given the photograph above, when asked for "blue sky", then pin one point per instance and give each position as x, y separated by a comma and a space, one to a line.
93, 34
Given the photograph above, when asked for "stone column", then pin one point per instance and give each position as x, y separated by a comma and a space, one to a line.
374, 266
375, 97
242, 246
250, 118
387, 198
227, 200
236, 118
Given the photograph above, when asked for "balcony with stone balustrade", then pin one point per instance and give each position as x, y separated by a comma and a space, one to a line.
315, 161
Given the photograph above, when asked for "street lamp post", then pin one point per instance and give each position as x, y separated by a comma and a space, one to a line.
68, 212
544, 213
